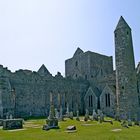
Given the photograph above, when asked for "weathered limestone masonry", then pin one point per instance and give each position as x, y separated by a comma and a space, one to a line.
90, 84
88, 65
98, 70
26, 93
126, 82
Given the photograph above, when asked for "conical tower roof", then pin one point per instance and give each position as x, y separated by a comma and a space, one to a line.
122, 24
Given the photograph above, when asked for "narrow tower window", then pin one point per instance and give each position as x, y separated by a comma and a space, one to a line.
86, 77
76, 63
137, 86
115, 34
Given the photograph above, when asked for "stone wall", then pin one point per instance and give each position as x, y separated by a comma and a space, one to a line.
108, 101
91, 100
26, 93
88, 65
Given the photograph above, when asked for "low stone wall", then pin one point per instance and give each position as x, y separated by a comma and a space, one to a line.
12, 124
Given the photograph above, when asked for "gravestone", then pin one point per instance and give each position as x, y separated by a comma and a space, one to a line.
71, 127
86, 115
11, 116
9, 124
94, 116
136, 121
124, 124
56, 113
129, 122
77, 116
101, 117
7, 116
117, 117
30, 114
71, 115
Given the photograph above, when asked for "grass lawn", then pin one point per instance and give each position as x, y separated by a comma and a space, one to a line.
85, 131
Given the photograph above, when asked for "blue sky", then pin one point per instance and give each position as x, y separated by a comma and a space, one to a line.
36, 32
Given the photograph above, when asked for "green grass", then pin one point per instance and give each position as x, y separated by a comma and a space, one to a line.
95, 131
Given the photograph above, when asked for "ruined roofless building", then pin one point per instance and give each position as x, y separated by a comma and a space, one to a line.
90, 83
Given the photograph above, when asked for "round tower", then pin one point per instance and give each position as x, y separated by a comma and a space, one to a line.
126, 87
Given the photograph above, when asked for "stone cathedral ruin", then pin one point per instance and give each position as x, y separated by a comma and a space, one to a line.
90, 83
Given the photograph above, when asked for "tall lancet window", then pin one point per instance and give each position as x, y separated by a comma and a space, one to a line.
90, 101
107, 100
